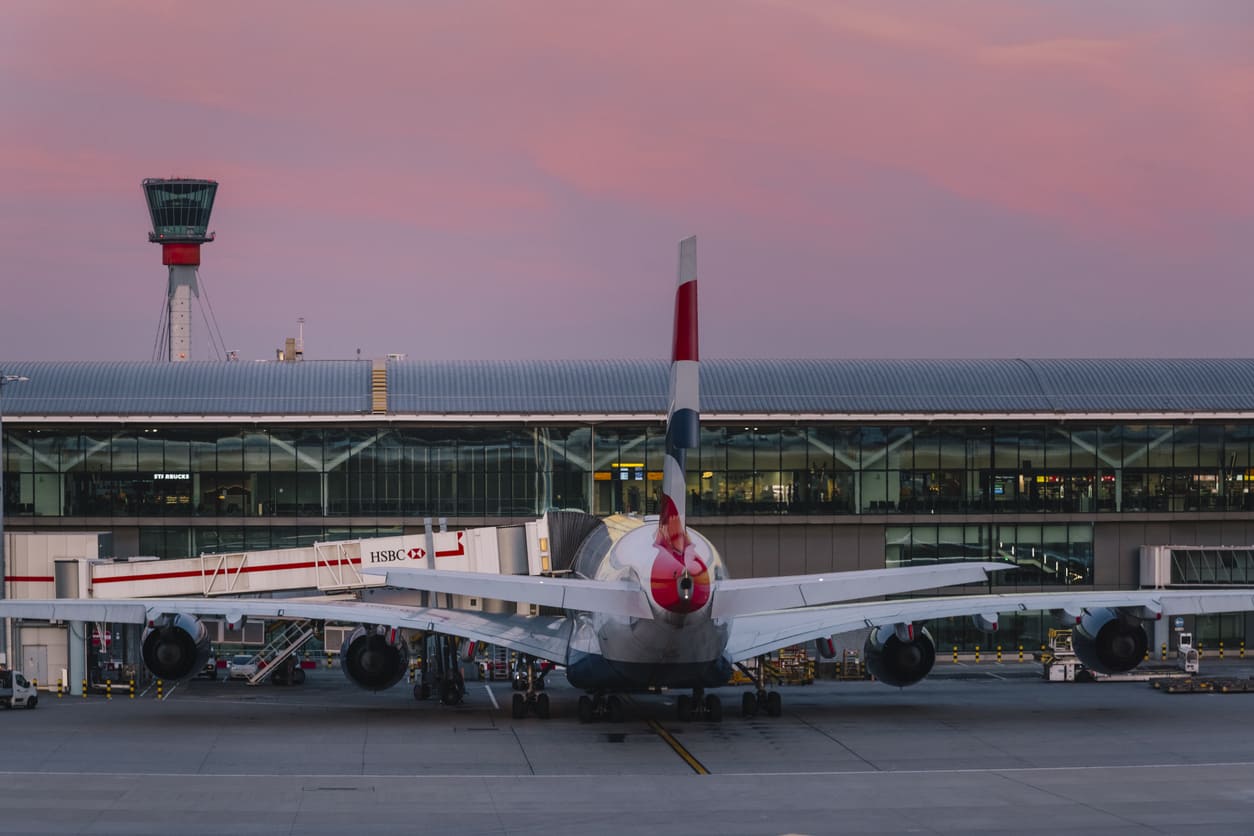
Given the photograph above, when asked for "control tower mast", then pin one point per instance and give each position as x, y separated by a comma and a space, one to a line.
180, 211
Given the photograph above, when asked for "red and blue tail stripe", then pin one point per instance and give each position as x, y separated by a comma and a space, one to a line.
680, 579
683, 417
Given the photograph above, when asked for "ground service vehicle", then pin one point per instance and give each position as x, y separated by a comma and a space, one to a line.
16, 691
241, 667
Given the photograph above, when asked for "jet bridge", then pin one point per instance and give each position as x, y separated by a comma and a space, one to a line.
327, 566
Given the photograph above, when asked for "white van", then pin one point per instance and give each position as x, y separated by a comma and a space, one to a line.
16, 691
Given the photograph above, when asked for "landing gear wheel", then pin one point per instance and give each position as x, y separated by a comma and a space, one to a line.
585, 709
520, 706
614, 709
542, 706
774, 704
683, 708
450, 693
713, 708
749, 704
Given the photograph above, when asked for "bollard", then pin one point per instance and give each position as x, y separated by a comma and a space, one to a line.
328, 662
132, 689
1200, 651
999, 654
34, 683
1242, 650
1162, 655
1020, 653
108, 689
977, 653
84, 687
159, 684
1221, 650
59, 689
955, 654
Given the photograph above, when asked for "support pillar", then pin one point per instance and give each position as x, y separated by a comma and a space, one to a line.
77, 637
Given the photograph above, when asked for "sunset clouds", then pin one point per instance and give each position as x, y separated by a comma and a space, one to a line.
495, 179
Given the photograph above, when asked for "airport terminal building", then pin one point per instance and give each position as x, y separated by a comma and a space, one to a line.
1067, 468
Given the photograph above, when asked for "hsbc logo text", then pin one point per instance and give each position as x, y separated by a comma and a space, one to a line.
393, 555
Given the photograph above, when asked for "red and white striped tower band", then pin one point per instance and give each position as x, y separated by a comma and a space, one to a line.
180, 211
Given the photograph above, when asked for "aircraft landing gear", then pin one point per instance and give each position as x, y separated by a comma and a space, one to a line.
529, 696
699, 706
755, 701
760, 699
602, 707
441, 673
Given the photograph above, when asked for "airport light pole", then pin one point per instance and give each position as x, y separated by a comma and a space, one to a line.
5, 380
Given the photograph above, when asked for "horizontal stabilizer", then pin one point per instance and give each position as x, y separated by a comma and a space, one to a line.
754, 595
621, 598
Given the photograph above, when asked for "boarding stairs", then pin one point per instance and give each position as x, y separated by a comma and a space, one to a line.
288, 641
498, 663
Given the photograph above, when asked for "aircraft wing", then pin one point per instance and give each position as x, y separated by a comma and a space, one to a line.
546, 637
753, 635
755, 595
621, 598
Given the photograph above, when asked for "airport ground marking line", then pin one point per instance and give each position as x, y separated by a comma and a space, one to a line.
687, 756
512, 775
491, 696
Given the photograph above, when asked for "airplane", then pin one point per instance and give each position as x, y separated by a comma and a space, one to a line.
650, 605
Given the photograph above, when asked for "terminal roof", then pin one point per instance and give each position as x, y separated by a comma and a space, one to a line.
592, 388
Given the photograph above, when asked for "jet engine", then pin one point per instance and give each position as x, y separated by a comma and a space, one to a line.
1108, 641
900, 654
374, 658
176, 647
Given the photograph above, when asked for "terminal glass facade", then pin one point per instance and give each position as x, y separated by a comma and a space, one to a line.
206, 488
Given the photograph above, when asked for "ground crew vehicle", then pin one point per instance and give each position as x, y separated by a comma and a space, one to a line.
16, 691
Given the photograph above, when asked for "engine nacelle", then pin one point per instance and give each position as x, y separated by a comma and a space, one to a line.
176, 647
374, 658
1107, 641
826, 647
899, 661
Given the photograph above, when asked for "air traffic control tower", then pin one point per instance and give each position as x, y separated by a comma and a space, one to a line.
180, 211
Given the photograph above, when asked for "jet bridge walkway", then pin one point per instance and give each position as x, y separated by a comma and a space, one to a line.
334, 566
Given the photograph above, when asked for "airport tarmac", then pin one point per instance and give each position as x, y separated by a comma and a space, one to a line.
988, 748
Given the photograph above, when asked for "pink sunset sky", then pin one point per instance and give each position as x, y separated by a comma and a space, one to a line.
972, 178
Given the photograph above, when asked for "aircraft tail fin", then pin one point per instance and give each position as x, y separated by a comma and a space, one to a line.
683, 425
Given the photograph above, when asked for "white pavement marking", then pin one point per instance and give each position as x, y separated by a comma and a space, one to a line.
26, 773
491, 696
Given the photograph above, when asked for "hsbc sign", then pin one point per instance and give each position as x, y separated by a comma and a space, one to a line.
395, 555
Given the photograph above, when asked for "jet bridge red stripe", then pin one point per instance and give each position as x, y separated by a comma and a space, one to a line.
29, 579
200, 573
